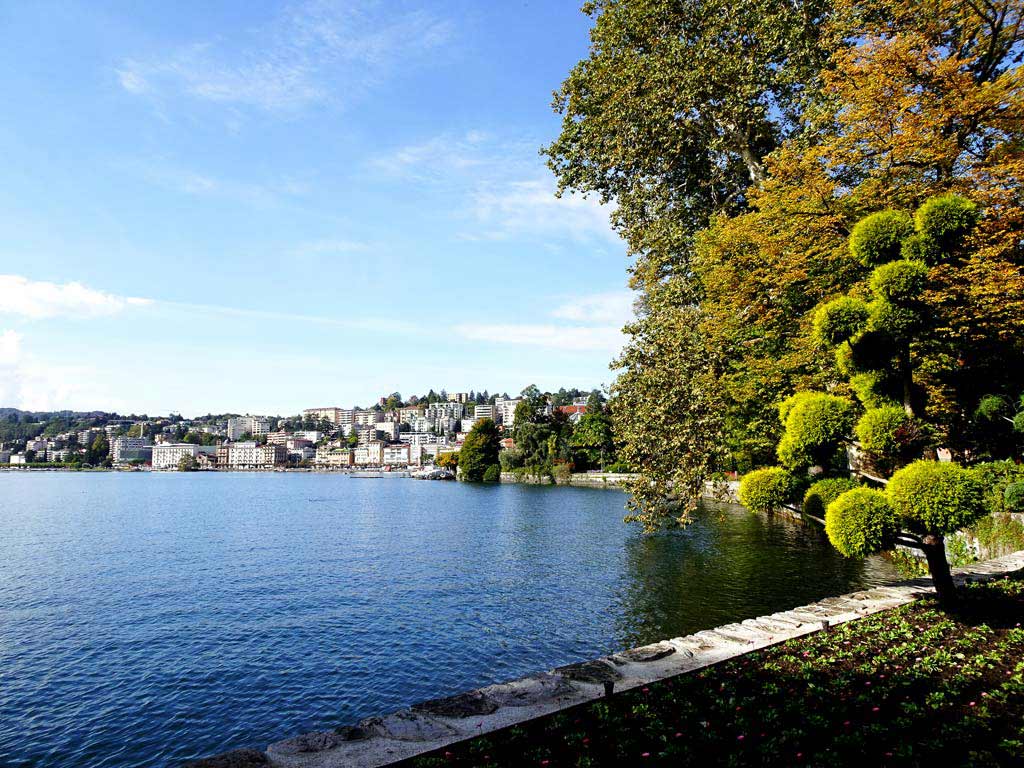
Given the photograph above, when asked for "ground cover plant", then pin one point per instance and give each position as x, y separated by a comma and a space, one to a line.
916, 685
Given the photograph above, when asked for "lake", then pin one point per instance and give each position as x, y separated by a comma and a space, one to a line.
149, 618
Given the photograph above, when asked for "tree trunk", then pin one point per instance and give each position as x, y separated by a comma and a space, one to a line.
934, 547
907, 374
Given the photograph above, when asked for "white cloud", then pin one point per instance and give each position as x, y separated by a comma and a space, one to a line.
612, 307
32, 385
576, 338
295, 59
37, 300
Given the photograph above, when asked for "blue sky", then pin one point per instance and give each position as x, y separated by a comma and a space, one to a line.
262, 207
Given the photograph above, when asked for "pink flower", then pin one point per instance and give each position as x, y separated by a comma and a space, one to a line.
974, 703
874, 709
740, 737
646, 754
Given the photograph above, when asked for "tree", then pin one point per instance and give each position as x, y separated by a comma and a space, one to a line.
98, 452
593, 439
673, 112
448, 460
915, 102
187, 463
480, 451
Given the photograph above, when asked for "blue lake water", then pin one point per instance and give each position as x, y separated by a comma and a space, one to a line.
149, 618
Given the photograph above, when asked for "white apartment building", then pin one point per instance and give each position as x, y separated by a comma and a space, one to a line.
124, 449
506, 410
388, 429
396, 454
168, 455
445, 411
365, 418
484, 412
467, 423
331, 413
418, 438
251, 425
404, 414
371, 454
250, 455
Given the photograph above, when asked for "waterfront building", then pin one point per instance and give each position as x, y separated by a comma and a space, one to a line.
251, 455
333, 456
18, 458
370, 454
169, 455
124, 449
5, 457
396, 454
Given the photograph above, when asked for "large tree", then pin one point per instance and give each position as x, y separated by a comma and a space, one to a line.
480, 451
913, 100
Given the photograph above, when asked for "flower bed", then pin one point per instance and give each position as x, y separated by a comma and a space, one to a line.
903, 687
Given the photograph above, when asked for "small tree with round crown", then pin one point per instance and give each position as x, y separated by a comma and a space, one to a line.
873, 332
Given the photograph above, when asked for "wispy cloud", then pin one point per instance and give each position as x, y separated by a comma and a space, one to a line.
611, 307
36, 300
596, 322
578, 338
190, 182
295, 60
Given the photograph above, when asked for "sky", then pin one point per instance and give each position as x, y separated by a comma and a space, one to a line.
262, 207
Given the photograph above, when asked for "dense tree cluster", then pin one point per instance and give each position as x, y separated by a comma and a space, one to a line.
767, 159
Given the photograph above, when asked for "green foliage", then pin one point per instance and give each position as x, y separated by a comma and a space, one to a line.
816, 424
872, 390
888, 434
899, 282
943, 224
765, 490
187, 464
991, 407
936, 497
839, 320
824, 492
898, 322
860, 522
493, 474
996, 477
480, 451
593, 440
1013, 497
878, 238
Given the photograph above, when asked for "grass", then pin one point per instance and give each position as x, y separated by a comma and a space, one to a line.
910, 686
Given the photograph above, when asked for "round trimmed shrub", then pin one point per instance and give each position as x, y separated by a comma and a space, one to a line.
886, 431
943, 223
765, 490
899, 282
878, 238
937, 497
893, 320
871, 389
839, 320
860, 522
824, 492
1013, 497
915, 248
816, 424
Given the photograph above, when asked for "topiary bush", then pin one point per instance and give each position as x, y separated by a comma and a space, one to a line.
936, 497
838, 320
888, 435
943, 223
878, 238
996, 477
860, 522
765, 490
824, 492
816, 425
899, 282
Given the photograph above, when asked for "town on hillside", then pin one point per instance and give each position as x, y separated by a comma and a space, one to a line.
393, 433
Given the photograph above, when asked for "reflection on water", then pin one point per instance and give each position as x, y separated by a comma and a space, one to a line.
149, 618
729, 564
